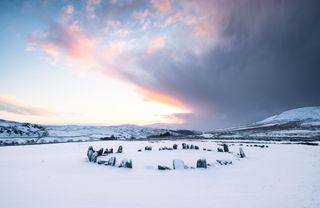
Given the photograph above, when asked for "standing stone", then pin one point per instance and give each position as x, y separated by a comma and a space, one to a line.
175, 146
178, 164
94, 157
188, 147
191, 146
111, 161
196, 147
119, 149
225, 148
184, 146
90, 152
202, 163
100, 152
242, 155
126, 164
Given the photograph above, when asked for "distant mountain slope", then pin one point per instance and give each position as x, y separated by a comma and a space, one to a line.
306, 114
24, 133
295, 124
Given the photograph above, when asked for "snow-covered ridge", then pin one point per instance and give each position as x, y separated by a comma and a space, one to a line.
295, 124
299, 114
25, 133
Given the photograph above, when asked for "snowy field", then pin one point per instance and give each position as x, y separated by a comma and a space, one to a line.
59, 175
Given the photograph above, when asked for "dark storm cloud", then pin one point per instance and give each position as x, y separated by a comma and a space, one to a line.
271, 64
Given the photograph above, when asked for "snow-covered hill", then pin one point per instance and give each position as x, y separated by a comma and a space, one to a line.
295, 124
305, 115
24, 133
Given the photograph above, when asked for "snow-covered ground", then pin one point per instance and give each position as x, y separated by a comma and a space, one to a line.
59, 175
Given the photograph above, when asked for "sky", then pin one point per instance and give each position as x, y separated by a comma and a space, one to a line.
194, 64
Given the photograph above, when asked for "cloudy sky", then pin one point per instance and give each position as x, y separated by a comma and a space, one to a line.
189, 63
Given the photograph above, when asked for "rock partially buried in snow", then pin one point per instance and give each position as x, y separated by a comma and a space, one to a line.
175, 146
202, 163
125, 164
196, 147
161, 167
108, 151
220, 149
148, 148
242, 155
111, 161
178, 164
224, 162
101, 160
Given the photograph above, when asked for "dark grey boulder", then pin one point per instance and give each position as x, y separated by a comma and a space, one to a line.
161, 167
224, 162
90, 152
225, 148
220, 149
242, 155
119, 149
196, 147
125, 164
191, 146
148, 148
100, 151
175, 146
184, 146
202, 163
108, 151
188, 146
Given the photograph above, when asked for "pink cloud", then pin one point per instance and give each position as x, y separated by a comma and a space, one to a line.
156, 45
163, 6
10, 105
68, 40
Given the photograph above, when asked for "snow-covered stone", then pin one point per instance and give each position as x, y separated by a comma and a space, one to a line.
242, 155
112, 161
178, 164
125, 164
94, 157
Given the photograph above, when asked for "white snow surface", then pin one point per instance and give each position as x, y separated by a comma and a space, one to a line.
59, 175
299, 114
